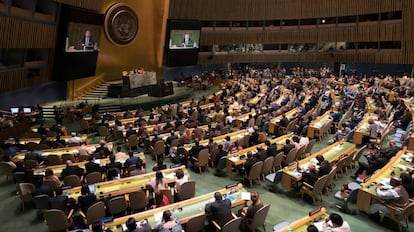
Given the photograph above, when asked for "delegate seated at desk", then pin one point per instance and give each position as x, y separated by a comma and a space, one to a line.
219, 210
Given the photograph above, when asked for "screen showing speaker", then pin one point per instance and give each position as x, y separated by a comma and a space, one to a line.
182, 42
77, 43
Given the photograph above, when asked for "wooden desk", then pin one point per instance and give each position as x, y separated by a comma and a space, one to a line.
370, 105
164, 136
57, 169
274, 122
183, 210
37, 140
331, 153
317, 124
234, 136
60, 151
234, 160
243, 118
301, 224
126, 185
63, 128
362, 128
127, 121
398, 164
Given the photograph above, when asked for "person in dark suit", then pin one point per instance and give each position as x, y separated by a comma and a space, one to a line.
86, 199
195, 149
284, 121
113, 164
271, 149
324, 166
103, 149
71, 169
171, 137
187, 41
251, 160
33, 156
132, 160
60, 201
87, 41
91, 166
288, 146
372, 165
219, 210
130, 131
311, 175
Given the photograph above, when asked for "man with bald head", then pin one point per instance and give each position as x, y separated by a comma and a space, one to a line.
71, 169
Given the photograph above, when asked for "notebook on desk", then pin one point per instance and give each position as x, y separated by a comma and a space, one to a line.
245, 196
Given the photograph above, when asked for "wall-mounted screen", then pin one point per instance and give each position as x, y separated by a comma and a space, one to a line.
82, 37
182, 42
184, 39
77, 43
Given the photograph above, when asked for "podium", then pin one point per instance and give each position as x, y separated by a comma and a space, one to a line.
161, 90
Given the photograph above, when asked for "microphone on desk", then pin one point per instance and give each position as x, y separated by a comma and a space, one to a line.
231, 185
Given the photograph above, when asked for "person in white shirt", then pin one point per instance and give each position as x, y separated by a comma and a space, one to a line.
229, 119
181, 179
304, 141
74, 138
335, 223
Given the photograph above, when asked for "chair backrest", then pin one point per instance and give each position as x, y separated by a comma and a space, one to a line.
96, 212
138, 200
6, 168
232, 225
358, 154
159, 147
30, 164
251, 122
203, 157
82, 158
93, 177
168, 194
255, 171
291, 156
83, 124
196, 224
319, 185
331, 176
53, 159
262, 137
103, 131
51, 184
300, 152
310, 146
41, 201
25, 191
175, 142
117, 205
349, 159
66, 157
259, 217
277, 161
187, 190
133, 140
73, 144
56, 220
267, 165
72, 180
341, 163
407, 211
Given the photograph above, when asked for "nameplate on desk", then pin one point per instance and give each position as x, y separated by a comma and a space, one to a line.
234, 184
315, 211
